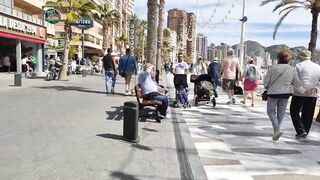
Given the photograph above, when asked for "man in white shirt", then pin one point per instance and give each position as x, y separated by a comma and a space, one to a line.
180, 71
150, 90
309, 74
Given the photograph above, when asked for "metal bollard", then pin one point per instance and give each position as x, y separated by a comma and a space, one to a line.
130, 121
84, 73
17, 79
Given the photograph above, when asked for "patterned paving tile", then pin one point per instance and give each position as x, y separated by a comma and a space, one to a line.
304, 142
245, 133
218, 161
200, 140
266, 151
286, 177
231, 122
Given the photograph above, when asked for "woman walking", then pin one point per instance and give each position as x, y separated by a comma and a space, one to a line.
279, 81
251, 83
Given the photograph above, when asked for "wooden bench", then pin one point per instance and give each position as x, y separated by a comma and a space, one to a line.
143, 104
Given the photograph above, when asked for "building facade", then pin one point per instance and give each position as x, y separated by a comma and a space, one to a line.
184, 24
202, 46
211, 53
23, 32
93, 37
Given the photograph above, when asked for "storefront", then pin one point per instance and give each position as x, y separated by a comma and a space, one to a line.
20, 38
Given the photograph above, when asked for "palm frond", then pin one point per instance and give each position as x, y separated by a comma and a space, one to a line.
267, 2
279, 23
285, 3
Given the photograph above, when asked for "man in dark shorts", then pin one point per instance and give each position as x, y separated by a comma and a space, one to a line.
230, 68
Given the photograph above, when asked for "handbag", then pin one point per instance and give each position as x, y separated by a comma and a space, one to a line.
193, 78
264, 95
123, 74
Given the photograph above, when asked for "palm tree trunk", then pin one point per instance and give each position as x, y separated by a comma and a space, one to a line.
105, 35
67, 37
152, 31
314, 31
160, 34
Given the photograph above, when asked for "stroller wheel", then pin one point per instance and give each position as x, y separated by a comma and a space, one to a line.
214, 103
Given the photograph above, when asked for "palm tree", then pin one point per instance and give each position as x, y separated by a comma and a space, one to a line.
144, 27
152, 31
73, 9
160, 34
287, 6
121, 42
109, 18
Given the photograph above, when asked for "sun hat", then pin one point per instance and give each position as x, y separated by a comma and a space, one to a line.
305, 53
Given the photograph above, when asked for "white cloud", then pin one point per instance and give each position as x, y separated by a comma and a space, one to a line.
259, 27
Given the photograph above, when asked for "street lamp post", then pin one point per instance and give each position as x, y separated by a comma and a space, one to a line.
195, 35
243, 21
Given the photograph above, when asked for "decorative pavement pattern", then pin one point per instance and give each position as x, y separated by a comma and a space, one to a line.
234, 142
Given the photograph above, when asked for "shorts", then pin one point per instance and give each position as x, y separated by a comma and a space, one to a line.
251, 85
228, 84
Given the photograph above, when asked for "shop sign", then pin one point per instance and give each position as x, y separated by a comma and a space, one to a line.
12, 24
52, 16
83, 23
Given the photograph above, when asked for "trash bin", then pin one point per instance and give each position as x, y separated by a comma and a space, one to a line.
130, 121
17, 79
84, 73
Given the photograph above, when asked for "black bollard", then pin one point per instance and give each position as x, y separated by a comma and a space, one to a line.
17, 79
130, 121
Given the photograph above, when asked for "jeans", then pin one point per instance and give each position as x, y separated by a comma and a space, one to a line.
215, 83
276, 109
163, 108
110, 81
305, 105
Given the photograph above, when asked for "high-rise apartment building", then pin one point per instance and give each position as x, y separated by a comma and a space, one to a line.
202, 45
211, 53
184, 24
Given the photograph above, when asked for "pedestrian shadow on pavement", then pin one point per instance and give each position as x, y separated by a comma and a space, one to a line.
110, 136
71, 88
116, 114
123, 176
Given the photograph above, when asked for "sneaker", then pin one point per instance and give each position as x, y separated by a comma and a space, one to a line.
302, 135
233, 101
229, 102
243, 101
252, 105
277, 135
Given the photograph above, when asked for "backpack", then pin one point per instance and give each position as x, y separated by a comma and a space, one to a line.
251, 73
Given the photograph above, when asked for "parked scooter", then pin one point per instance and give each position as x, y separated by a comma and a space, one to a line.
54, 71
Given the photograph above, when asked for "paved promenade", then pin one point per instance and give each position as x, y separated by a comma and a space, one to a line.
72, 130
234, 142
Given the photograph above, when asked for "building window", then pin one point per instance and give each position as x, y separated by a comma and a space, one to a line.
6, 3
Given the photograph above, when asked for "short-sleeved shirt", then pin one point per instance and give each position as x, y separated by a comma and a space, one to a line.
146, 83
229, 67
180, 67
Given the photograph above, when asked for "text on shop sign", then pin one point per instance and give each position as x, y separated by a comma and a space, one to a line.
17, 25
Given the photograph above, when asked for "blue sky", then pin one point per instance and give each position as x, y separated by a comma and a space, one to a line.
294, 31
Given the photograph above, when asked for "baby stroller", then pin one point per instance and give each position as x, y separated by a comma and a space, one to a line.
204, 90
181, 86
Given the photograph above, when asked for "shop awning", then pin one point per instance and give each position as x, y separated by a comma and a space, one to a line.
23, 38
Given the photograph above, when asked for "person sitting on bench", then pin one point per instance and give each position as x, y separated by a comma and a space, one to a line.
151, 90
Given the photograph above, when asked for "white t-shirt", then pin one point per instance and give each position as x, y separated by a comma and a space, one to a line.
180, 67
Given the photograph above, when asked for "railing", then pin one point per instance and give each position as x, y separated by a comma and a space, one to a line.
20, 15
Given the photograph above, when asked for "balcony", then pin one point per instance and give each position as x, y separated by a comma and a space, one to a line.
20, 15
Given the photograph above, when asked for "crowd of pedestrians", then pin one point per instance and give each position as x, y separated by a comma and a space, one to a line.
281, 81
